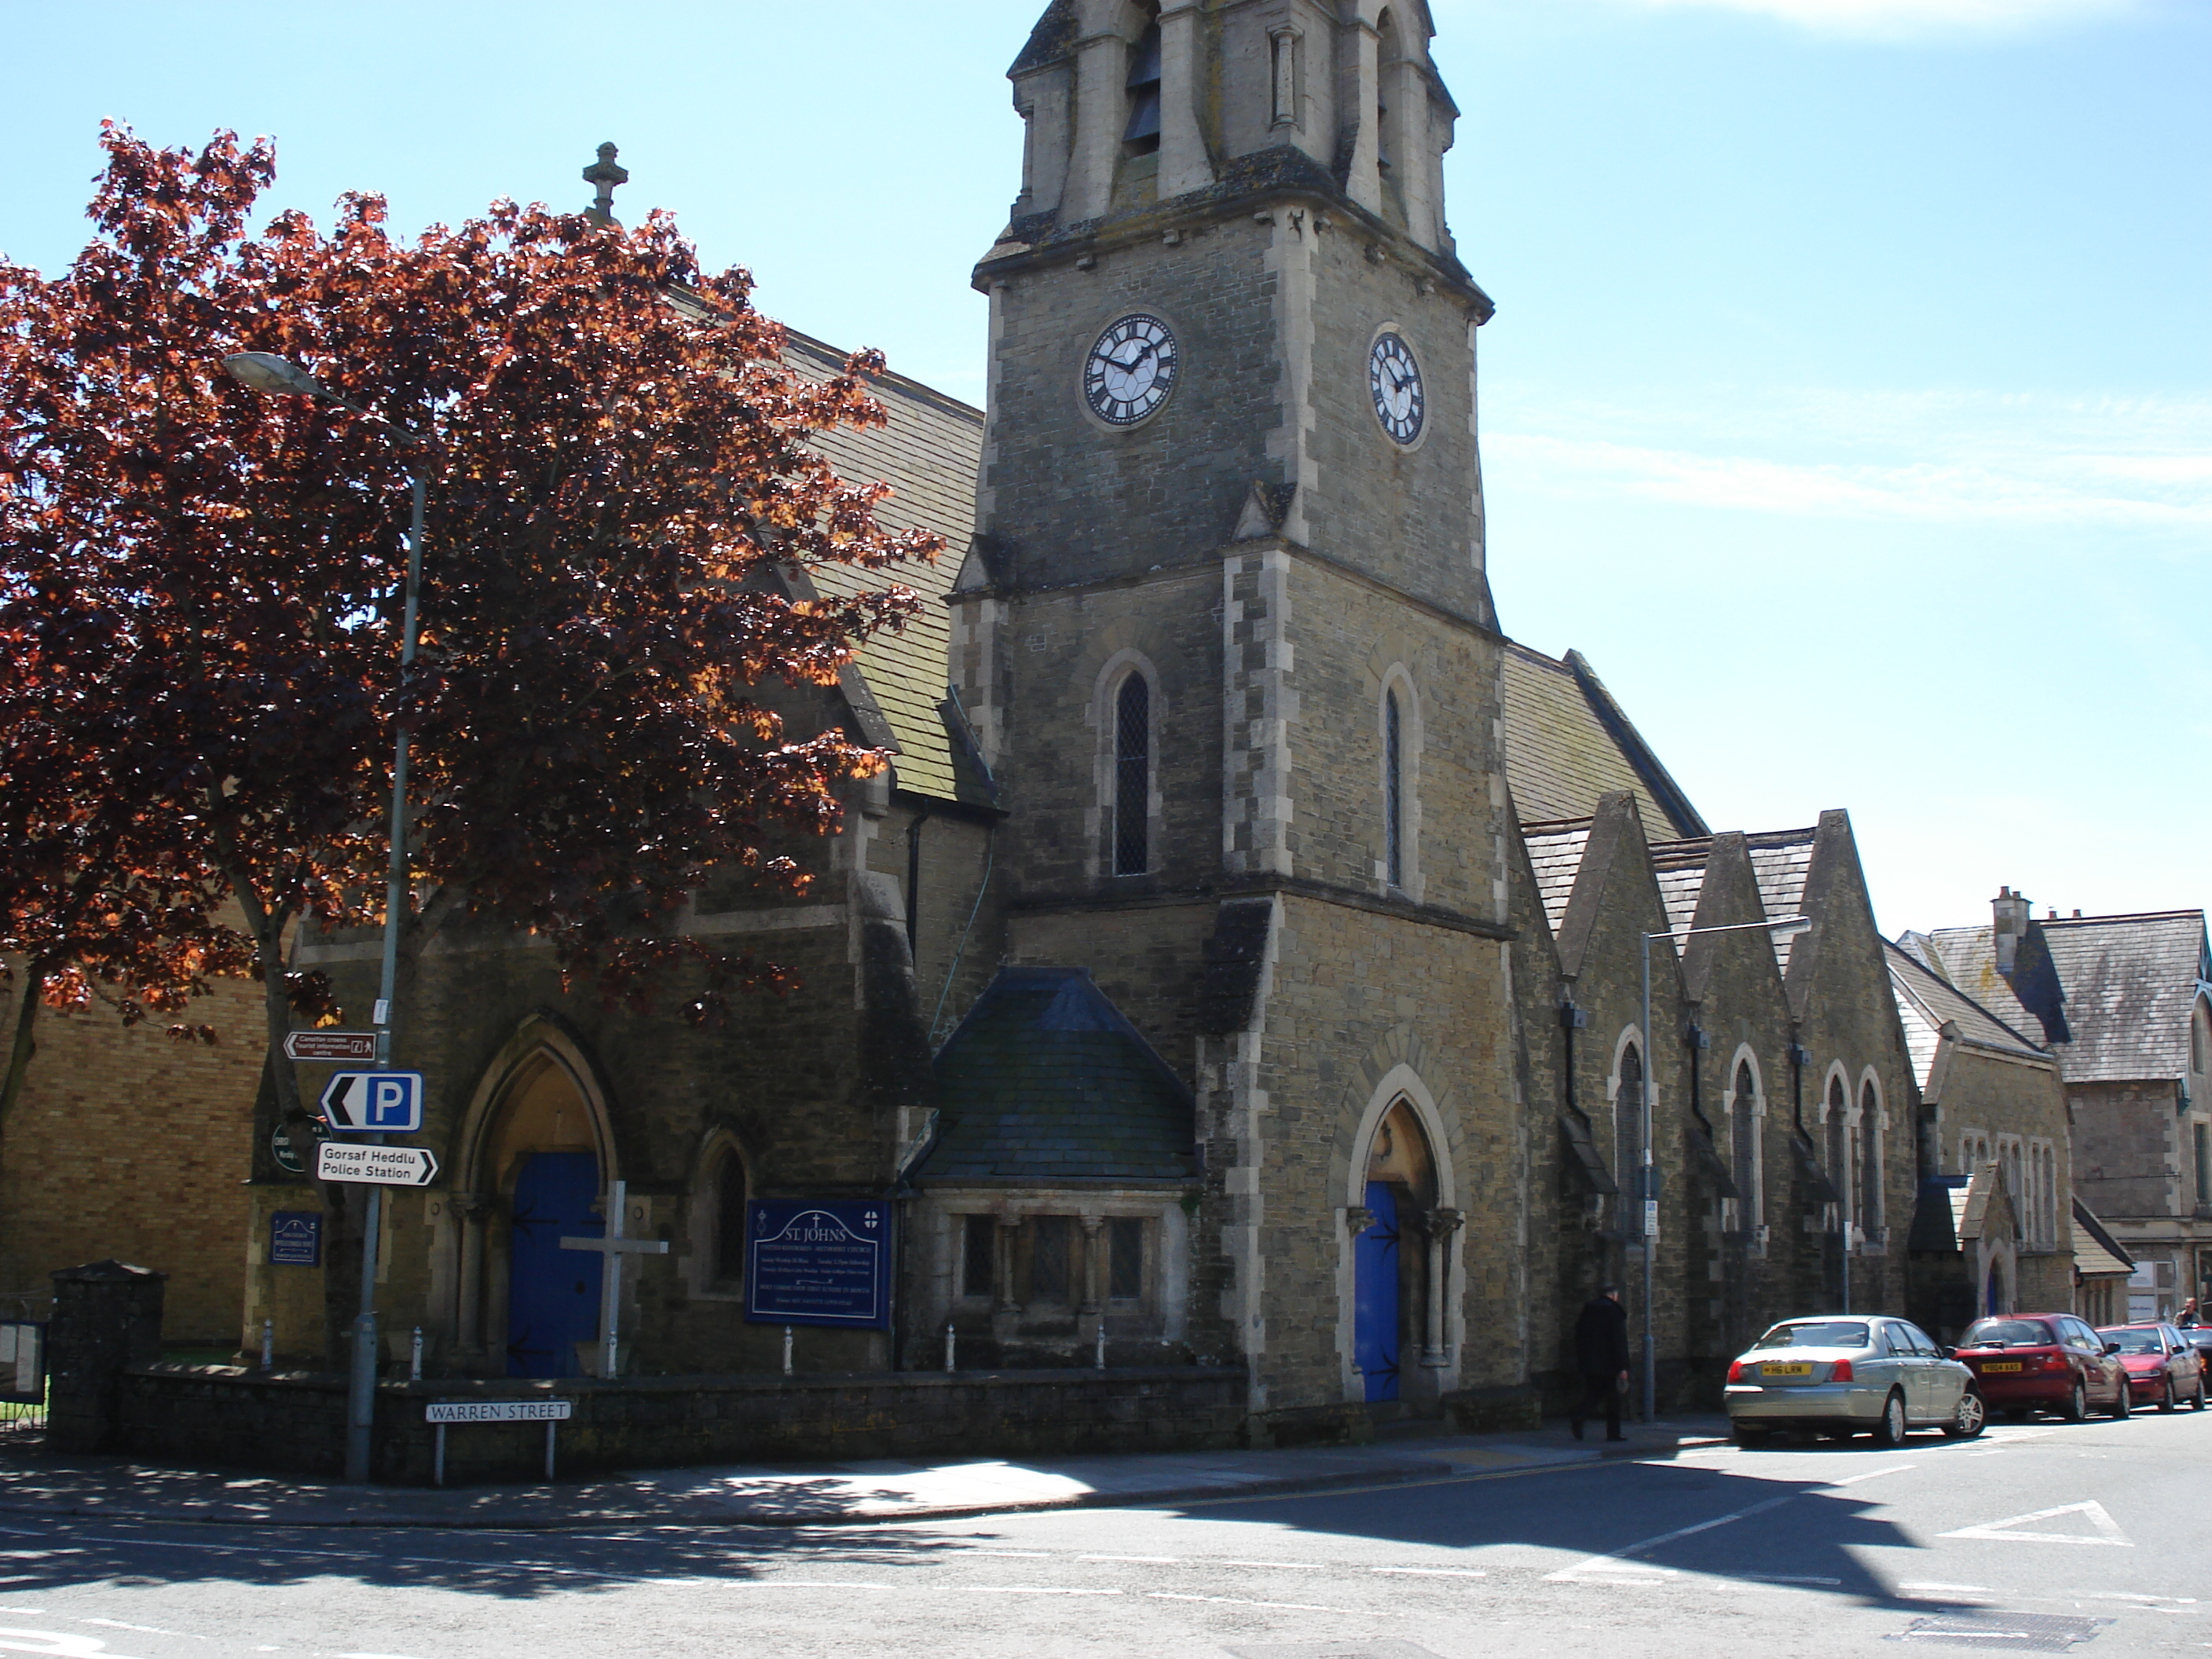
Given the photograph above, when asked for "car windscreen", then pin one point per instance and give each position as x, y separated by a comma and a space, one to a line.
1816, 1333
2135, 1341
2008, 1332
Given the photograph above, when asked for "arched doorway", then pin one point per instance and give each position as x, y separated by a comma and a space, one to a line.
1389, 1267
530, 1308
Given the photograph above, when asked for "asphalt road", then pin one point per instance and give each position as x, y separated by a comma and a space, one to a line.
2044, 1537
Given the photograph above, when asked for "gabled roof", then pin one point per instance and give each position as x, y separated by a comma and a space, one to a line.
1927, 1003
1045, 1084
1567, 743
928, 451
2097, 1254
2130, 984
1555, 852
1781, 860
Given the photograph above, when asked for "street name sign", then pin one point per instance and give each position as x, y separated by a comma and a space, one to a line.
375, 1166
374, 1103
820, 1262
330, 1045
499, 1411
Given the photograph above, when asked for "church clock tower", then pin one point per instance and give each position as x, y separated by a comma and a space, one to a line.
1225, 639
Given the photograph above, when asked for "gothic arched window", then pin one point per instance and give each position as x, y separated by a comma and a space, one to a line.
1628, 1140
730, 1217
1394, 791
1743, 1137
1840, 1151
1142, 135
1132, 777
1870, 1158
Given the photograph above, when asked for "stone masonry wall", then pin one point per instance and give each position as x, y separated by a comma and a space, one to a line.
128, 1144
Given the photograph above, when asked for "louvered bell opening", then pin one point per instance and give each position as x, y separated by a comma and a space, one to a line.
1132, 756
1143, 133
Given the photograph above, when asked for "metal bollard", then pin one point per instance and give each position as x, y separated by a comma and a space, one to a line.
787, 1351
414, 1358
268, 1345
1102, 1342
949, 1365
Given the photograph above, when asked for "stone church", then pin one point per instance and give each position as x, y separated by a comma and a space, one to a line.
1243, 964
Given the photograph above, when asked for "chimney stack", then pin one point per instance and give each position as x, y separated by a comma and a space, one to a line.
2011, 912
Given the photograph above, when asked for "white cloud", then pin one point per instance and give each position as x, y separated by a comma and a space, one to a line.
1891, 18
1931, 457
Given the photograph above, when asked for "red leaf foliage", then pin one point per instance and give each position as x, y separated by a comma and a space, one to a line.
201, 588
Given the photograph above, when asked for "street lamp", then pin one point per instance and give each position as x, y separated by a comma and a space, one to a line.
1647, 1190
265, 372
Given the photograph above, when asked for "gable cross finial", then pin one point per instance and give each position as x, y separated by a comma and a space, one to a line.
606, 175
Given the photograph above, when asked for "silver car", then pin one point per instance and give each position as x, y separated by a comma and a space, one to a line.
1844, 1375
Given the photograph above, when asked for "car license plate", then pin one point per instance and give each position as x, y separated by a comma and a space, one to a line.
2000, 1365
1785, 1370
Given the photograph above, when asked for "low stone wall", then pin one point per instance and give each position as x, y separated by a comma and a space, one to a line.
229, 1415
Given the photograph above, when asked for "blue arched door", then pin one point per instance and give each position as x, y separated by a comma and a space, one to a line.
1374, 1295
552, 1294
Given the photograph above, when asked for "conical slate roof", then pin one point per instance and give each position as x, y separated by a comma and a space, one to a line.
1046, 1083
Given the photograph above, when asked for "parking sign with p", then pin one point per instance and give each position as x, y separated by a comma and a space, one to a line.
374, 1102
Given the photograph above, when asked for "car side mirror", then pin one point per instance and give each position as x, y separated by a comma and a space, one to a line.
2112, 1347
1948, 1353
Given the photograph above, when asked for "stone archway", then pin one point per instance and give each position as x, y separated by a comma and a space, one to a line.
1400, 1215
535, 1155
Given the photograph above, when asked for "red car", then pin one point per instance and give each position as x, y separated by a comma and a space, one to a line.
2049, 1362
2163, 1369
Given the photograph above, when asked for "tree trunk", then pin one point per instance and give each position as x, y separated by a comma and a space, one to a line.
20, 1051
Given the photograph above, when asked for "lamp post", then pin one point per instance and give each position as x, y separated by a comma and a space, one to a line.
1647, 1190
266, 373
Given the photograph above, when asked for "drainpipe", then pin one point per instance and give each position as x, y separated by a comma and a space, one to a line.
913, 882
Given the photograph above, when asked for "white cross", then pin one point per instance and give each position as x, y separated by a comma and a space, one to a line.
614, 1246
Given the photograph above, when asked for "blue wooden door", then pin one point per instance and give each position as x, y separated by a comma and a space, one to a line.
1374, 1296
553, 1294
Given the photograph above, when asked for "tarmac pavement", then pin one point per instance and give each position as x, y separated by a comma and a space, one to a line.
829, 1494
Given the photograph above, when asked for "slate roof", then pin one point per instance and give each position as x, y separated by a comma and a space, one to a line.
1927, 1002
928, 453
1567, 743
1781, 860
2130, 983
1680, 868
1555, 851
2097, 1254
1045, 1084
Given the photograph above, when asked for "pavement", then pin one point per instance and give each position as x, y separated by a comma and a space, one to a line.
876, 1491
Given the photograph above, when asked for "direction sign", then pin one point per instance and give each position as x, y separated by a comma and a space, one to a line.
330, 1045
376, 1166
499, 1411
374, 1102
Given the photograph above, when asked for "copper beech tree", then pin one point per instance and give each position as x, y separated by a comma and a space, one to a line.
201, 588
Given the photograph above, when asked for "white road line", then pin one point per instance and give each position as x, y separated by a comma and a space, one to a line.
1435, 1572
2007, 1531
1286, 1566
1871, 1474
1780, 1577
1032, 1589
1286, 1607
1148, 1560
1600, 1562
1013, 1555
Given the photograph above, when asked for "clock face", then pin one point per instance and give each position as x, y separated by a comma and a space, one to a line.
1394, 380
1130, 370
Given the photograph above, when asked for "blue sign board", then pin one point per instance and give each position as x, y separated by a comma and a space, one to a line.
819, 1262
374, 1103
296, 1239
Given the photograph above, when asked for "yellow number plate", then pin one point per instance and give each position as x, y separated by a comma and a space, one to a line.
2000, 1365
1785, 1370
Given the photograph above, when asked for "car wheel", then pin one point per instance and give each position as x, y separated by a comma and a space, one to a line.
1968, 1419
2076, 1408
1889, 1431
2197, 1403
2169, 1404
2124, 1403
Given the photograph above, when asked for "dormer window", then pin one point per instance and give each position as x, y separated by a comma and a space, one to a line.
1142, 136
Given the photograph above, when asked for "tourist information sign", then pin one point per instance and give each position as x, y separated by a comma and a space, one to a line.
819, 1262
374, 1103
330, 1045
376, 1166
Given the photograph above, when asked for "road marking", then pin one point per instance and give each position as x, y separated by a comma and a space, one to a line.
1032, 1589
1600, 1562
154, 1630
1286, 1606
1013, 1555
2007, 1530
1780, 1577
1435, 1572
1150, 1560
1287, 1566
1871, 1474
54, 1642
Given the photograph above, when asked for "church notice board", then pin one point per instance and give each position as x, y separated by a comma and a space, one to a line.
819, 1262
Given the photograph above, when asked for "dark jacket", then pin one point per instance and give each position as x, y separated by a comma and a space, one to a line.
1601, 1338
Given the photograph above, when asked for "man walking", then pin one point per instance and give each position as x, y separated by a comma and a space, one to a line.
1601, 1357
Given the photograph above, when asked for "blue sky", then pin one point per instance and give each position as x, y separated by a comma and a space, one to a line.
1849, 402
